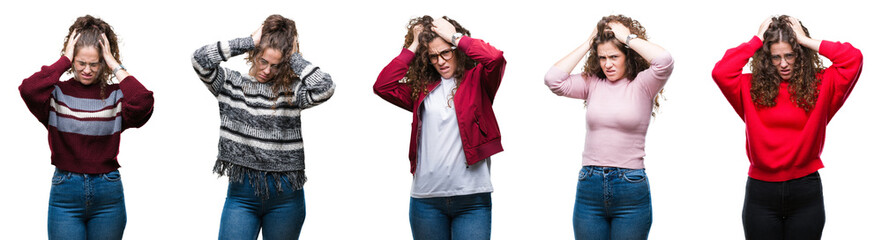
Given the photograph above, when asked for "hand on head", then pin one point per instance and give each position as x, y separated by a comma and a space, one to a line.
71, 42
621, 32
256, 35
797, 27
763, 27
106, 53
444, 29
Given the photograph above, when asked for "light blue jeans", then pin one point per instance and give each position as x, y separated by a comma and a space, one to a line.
280, 216
86, 206
612, 203
465, 217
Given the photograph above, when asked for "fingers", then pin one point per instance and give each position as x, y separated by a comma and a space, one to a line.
255, 36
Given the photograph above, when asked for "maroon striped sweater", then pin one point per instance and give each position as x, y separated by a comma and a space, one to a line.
84, 129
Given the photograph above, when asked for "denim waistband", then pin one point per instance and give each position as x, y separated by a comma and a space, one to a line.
69, 173
590, 170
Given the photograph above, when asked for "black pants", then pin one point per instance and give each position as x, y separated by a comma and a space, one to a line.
792, 209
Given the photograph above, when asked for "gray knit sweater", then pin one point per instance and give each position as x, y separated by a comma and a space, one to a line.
259, 130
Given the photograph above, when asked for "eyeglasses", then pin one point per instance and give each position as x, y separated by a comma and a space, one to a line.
790, 57
446, 55
263, 64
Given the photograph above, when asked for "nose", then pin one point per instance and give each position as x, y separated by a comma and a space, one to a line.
266, 71
87, 69
784, 63
607, 64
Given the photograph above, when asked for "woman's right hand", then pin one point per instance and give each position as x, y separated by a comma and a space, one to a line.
415, 45
593, 34
763, 27
256, 35
71, 41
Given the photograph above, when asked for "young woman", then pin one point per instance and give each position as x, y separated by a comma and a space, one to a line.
619, 83
85, 116
448, 80
786, 103
260, 147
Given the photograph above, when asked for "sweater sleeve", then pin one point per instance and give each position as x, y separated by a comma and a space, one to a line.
137, 103
656, 76
728, 74
36, 90
316, 86
489, 58
564, 84
206, 61
847, 65
390, 85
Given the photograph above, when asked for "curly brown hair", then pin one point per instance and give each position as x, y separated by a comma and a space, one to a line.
278, 33
89, 29
634, 63
421, 71
766, 80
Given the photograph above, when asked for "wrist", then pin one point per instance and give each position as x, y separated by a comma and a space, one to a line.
454, 39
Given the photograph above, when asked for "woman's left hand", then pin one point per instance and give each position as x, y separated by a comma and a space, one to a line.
797, 27
620, 31
444, 29
108, 56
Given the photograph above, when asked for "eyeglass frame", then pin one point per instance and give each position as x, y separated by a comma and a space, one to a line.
433, 58
789, 57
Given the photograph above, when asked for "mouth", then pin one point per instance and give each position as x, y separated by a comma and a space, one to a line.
87, 76
784, 71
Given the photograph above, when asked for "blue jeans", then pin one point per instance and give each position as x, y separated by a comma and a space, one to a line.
612, 203
456, 217
86, 206
245, 213
792, 209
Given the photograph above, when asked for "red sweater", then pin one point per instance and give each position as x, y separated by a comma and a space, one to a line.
84, 129
473, 99
784, 142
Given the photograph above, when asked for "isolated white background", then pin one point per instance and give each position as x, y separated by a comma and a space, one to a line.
356, 144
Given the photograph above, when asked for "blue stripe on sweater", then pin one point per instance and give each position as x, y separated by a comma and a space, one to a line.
91, 128
86, 104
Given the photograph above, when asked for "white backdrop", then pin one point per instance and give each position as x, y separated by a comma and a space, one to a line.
357, 144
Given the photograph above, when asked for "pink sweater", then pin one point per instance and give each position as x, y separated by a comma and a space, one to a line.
618, 113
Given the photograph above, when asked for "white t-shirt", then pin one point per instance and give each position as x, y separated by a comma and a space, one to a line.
441, 164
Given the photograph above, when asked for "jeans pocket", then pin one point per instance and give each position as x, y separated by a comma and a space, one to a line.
58, 177
111, 176
583, 173
634, 176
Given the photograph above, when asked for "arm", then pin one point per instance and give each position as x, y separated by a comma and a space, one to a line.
206, 60
36, 90
316, 86
489, 57
847, 65
558, 78
388, 85
727, 73
137, 101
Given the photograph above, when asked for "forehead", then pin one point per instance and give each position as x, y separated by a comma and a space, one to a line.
437, 45
608, 49
271, 55
88, 54
780, 47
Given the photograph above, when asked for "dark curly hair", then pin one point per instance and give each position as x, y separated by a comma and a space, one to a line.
278, 33
766, 80
634, 63
421, 71
89, 29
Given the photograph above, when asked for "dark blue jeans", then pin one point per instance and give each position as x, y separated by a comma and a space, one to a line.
86, 206
791, 209
612, 203
281, 216
464, 217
